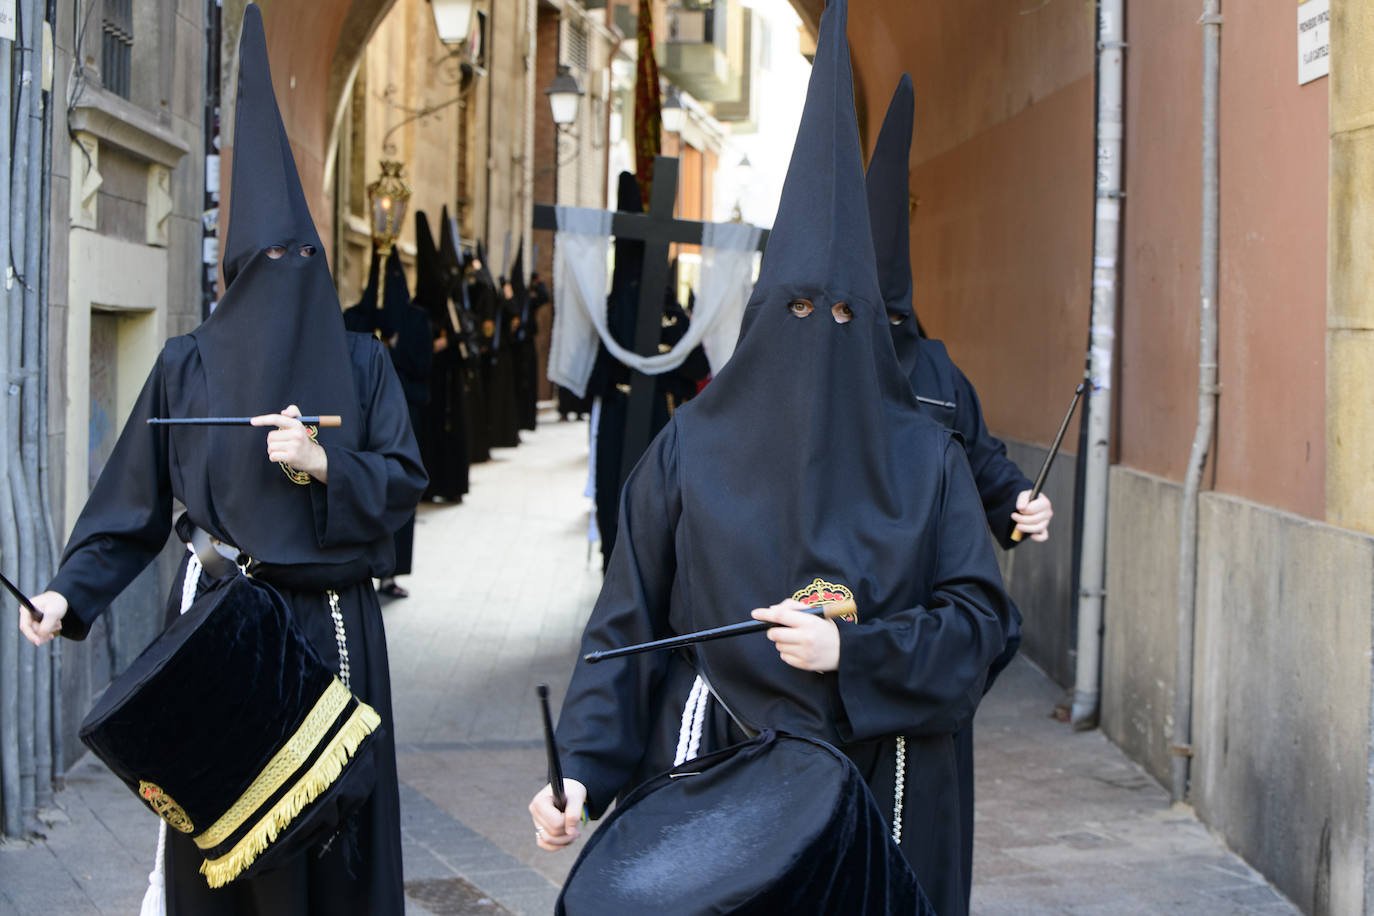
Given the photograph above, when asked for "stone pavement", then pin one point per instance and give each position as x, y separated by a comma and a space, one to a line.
502, 587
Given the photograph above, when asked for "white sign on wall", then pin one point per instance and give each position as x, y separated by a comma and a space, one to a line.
1314, 40
7, 20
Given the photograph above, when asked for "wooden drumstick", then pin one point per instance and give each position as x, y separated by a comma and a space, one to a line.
322, 420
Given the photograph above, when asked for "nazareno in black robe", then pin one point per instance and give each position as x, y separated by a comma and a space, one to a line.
524, 355
469, 340
498, 371
948, 396
443, 427
805, 468
404, 327
276, 338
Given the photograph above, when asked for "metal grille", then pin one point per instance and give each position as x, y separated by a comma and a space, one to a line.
453, 897
116, 45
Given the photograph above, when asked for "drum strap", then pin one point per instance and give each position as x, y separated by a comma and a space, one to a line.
207, 551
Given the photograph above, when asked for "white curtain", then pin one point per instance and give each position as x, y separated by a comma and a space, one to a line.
580, 256
727, 279
580, 250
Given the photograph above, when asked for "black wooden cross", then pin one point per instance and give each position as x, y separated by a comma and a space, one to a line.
657, 229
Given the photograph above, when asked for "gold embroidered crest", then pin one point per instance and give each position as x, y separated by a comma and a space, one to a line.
164, 807
301, 478
821, 591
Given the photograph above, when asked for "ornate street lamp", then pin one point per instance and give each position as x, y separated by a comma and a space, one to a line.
564, 95
388, 196
453, 19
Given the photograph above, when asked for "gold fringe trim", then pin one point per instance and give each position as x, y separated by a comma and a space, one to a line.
282, 766
322, 774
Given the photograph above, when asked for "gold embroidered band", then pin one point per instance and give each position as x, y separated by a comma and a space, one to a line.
321, 775
283, 765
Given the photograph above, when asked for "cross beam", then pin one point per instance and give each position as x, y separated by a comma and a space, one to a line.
658, 229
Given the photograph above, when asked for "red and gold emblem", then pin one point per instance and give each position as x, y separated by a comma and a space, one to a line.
823, 592
164, 807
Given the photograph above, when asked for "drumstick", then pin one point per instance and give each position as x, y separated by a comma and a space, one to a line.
1016, 534
560, 798
830, 611
22, 598
324, 420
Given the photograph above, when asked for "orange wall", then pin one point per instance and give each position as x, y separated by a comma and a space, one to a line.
1002, 169
1270, 437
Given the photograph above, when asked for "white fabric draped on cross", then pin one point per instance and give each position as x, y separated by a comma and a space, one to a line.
581, 248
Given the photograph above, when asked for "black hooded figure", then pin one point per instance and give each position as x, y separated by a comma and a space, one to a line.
934, 376
276, 339
804, 470
610, 379
469, 340
925, 362
490, 307
524, 354
443, 427
404, 328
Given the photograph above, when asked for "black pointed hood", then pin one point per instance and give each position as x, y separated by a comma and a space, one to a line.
803, 465
889, 213
430, 288
450, 257
276, 337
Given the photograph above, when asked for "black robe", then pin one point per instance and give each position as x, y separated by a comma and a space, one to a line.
611, 381
498, 367
406, 330
443, 423
999, 482
125, 524
620, 719
470, 349
527, 368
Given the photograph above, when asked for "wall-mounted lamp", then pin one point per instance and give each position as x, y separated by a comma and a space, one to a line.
453, 19
564, 95
389, 196
674, 115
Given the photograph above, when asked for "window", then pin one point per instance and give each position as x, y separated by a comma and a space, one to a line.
116, 45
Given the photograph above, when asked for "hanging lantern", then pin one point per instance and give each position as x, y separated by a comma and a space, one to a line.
389, 196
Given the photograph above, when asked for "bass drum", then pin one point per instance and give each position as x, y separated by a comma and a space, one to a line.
777, 824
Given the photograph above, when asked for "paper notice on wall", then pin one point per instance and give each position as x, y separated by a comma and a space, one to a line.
1314, 40
7, 20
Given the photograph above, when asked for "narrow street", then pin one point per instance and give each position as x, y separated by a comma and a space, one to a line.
503, 584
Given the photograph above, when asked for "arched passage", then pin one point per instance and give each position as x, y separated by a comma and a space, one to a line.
315, 49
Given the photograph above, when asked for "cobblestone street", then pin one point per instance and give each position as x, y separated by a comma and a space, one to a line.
502, 587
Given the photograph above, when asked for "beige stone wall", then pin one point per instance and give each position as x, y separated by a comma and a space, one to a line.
125, 218
1281, 715
1350, 303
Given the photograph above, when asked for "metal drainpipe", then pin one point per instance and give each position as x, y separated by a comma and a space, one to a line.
1207, 391
11, 823
34, 365
1111, 60
48, 532
19, 383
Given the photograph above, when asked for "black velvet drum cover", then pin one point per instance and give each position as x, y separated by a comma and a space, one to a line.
232, 729
777, 824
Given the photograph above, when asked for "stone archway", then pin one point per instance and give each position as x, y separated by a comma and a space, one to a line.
315, 50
